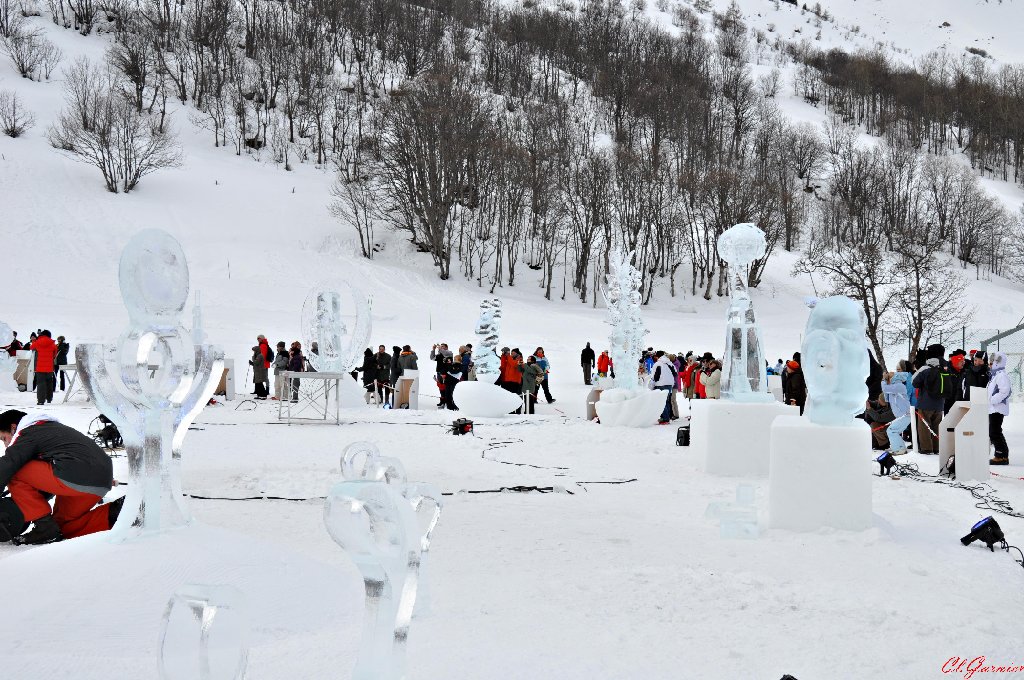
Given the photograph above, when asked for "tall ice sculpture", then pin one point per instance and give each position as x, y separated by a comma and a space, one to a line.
820, 476
744, 377
481, 398
729, 450
153, 383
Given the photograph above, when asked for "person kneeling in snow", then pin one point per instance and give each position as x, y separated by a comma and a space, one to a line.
45, 458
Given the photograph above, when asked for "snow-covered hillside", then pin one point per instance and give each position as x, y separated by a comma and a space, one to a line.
259, 237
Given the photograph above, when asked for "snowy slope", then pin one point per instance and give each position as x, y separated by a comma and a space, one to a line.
906, 30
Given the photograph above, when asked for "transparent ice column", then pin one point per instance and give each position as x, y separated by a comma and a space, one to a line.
744, 377
488, 328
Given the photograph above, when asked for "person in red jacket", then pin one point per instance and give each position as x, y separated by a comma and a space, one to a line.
268, 357
45, 349
604, 363
689, 376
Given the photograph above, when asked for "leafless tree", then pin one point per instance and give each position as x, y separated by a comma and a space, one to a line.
103, 128
15, 120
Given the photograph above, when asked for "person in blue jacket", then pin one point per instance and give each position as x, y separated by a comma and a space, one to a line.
894, 389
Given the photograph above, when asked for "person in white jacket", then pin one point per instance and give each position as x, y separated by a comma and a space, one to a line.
998, 408
663, 377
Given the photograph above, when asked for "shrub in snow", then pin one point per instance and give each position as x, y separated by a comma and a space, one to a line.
33, 56
14, 118
103, 128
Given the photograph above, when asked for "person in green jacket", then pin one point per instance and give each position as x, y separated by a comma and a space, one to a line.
532, 375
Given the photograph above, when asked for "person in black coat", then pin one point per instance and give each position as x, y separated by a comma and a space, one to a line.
60, 359
45, 459
976, 375
369, 371
587, 359
874, 381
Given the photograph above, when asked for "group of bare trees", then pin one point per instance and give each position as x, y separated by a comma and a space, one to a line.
893, 226
508, 138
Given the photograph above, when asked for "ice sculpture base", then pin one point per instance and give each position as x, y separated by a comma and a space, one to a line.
629, 408
107, 615
820, 476
732, 436
484, 399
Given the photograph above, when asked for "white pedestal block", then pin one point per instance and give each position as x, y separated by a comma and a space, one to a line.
775, 387
735, 441
820, 476
628, 408
963, 434
484, 400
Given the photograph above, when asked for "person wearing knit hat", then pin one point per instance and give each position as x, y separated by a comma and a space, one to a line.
976, 374
999, 393
930, 405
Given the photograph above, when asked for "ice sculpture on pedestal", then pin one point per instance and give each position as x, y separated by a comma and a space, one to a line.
481, 398
819, 474
744, 377
622, 297
835, 361
204, 634
626, 404
153, 382
485, 358
338, 351
726, 449
377, 527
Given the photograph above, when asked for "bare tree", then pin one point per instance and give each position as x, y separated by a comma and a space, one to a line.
103, 128
14, 119
32, 54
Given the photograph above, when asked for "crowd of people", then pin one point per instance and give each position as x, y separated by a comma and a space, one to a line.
49, 356
929, 387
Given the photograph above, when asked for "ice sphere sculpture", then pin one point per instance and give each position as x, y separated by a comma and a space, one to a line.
622, 297
743, 371
486, 360
153, 382
835, 361
378, 529
338, 350
204, 635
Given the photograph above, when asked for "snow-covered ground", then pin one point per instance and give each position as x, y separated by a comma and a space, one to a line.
611, 581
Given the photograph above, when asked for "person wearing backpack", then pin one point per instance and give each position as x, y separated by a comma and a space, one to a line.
930, 404
998, 408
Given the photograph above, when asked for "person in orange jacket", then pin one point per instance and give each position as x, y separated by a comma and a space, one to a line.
45, 349
604, 363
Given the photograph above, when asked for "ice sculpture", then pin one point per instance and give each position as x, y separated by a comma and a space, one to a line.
835, 361
339, 351
485, 357
7, 362
622, 297
153, 382
377, 527
357, 458
743, 370
426, 500
204, 635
